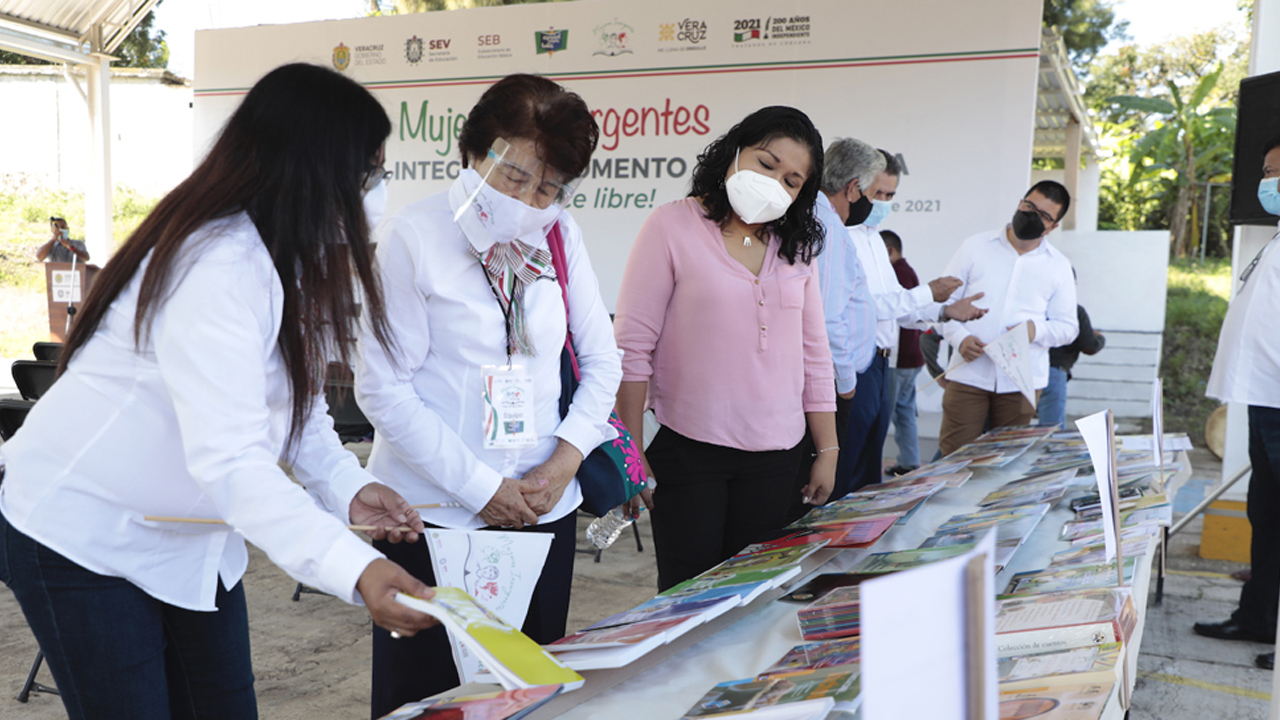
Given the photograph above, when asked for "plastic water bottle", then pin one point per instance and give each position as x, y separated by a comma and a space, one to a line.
606, 529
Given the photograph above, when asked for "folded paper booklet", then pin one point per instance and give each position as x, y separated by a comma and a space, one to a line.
514, 659
502, 705
1065, 702
1092, 664
840, 686
815, 655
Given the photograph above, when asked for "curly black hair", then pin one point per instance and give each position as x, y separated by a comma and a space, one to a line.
798, 230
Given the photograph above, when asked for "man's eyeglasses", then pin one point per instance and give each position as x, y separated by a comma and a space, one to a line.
1048, 219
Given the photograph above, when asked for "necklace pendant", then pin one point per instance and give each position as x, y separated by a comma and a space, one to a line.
746, 241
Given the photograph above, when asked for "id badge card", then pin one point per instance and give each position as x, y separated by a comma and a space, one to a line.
508, 407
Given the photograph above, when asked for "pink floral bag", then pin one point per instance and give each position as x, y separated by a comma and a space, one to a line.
612, 473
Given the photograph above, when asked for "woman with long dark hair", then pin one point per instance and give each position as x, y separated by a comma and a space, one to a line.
720, 321
193, 370
479, 310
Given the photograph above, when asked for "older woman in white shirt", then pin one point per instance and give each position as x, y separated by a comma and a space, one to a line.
193, 370
471, 290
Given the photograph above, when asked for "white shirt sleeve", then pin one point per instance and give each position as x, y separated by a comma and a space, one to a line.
960, 266
384, 382
599, 361
212, 341
328, 471
1061, 324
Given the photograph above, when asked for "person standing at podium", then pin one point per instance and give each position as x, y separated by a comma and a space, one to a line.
61, 248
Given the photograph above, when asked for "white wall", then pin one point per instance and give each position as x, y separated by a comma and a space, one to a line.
151, 126
1085, 199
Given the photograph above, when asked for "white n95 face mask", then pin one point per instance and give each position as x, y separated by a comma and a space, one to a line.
375, 205
756, 198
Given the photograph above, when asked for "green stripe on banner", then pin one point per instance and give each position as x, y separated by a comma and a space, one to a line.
698, 69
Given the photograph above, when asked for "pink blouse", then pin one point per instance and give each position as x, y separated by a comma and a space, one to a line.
732, 359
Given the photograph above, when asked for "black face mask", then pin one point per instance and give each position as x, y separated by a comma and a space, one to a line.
1027, 225
858, 211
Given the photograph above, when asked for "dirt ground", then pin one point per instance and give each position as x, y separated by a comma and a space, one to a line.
311, 657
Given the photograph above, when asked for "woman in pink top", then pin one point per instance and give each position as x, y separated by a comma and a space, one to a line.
720, 321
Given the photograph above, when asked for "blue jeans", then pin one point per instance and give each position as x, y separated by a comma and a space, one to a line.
116, 652
1052, 407
862, 446
902, 391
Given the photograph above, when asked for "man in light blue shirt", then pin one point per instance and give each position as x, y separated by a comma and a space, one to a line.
851, 328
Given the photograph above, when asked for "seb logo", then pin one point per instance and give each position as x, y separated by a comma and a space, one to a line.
438, 45
489, 40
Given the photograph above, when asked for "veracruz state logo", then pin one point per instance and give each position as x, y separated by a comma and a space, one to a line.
551, 41
341, 57
413, 50
612, 38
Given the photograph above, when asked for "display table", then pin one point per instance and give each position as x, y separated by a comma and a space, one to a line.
742, 643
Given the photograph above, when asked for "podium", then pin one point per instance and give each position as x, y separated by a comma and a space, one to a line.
63, 287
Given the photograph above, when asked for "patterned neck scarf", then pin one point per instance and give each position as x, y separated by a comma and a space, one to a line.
511, 267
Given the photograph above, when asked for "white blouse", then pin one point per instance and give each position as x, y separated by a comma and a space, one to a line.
193, 424
1246, 368
1036, 286
425, 401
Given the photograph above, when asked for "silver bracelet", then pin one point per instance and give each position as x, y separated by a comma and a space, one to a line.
833, 447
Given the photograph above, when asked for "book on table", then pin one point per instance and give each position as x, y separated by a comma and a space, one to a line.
834, 615
1063, 702
623, 638
1064, 620
510, 655
1070, 577
815, 655
888, 562
1074, 666
497, 705
836, 688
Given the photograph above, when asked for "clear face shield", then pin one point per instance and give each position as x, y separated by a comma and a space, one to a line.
519, 174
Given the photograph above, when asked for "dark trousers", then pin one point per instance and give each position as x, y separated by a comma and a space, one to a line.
412, 668
1258, 598
117, 652
862, 445
712, 501
798, 508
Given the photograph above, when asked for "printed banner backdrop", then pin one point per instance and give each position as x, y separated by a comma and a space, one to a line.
950, 87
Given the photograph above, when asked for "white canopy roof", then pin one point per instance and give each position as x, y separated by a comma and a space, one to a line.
69, 31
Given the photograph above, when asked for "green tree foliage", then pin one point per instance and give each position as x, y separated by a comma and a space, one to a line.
1167, 114
1086, 26
144, 47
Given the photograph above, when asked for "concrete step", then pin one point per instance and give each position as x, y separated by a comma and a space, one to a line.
1118, 390
1122, 408
1122, 356
1106, 371
1121, 338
